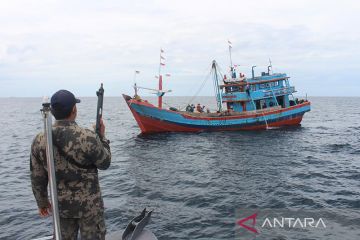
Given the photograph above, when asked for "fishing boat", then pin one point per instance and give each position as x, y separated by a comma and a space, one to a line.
259, 102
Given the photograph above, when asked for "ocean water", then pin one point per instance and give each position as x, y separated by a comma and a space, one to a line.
195, 183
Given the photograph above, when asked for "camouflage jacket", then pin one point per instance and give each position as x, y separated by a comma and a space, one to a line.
78, 153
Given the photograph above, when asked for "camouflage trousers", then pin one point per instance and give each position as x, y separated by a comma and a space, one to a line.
90, 228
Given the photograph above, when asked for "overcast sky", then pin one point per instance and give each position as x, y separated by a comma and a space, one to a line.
46, 45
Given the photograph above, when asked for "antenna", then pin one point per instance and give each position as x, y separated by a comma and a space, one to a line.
270, 66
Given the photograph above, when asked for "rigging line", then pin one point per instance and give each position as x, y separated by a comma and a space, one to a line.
263, 115
165, 103
266, 123
198, 90
218, 75
220, 71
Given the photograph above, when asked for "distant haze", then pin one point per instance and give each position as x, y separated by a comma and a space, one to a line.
46, 45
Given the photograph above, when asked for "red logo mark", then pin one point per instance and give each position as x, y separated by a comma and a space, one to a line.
251, 217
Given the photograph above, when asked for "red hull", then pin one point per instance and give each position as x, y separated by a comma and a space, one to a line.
150, 125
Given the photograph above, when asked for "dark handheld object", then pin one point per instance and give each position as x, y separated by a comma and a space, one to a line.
99, 110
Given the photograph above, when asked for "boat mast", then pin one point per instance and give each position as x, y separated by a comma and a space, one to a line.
216, 85
161, 51
135, 85
231, 64
160, 93
46, 112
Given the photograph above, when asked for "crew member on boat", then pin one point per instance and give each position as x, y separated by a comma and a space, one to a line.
247, 88
78, 154
199, 108
264, 105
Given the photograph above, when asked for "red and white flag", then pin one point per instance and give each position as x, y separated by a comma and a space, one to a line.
162, 58
230, 44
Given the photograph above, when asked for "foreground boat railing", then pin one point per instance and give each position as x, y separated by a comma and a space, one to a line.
51, 167
44, 238
46, 112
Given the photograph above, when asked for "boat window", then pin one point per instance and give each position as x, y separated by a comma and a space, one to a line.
263, 104
281, 101
231, 89
258, 105
267, 85
274, 84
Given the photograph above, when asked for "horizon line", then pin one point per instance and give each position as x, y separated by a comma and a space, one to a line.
114, 96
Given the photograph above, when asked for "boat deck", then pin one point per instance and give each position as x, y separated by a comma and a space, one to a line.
230, 113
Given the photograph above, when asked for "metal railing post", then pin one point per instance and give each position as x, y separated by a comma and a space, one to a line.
51, 167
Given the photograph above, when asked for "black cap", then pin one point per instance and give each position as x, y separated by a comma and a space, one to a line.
62, 102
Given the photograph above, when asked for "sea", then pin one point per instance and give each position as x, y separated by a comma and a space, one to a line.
196, 183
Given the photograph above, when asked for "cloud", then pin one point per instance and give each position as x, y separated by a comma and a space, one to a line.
77, 44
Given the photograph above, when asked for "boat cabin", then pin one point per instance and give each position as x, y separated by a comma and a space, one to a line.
241, 94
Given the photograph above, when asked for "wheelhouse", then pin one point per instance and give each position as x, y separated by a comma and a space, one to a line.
241, 94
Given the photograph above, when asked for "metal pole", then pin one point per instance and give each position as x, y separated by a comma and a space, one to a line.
51, 167
252, 71
217, 89
161, 51
289, 89
160, 92
252, 100
276, 101
231, 65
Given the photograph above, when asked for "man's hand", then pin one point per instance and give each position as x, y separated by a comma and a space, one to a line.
102, 128
44, 212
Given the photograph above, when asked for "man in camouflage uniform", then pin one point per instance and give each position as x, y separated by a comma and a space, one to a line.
78, 154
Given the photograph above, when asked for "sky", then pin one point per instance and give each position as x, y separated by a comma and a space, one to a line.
47, 45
